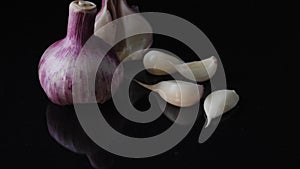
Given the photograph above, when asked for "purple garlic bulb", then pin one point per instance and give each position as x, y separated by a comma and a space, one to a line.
57, 65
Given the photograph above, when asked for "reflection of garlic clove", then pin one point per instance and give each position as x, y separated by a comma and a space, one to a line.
105, 16
130, 25
219, 102
172, 112
178, 93
160, 63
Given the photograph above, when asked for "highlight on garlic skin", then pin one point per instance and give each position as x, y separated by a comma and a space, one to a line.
115, 9
219, 102
176, 92
160, 63
57, 65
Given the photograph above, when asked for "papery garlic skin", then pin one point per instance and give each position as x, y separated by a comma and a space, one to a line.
219, 102
177, 93
57, 65
161, 63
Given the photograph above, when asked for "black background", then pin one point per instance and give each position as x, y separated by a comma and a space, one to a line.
257, 41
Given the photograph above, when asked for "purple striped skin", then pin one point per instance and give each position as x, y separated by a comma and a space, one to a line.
57, 64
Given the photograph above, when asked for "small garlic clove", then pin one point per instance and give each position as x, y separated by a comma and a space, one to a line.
106, 15
177, 93
160, 63
130, 25
219, 102
201, 70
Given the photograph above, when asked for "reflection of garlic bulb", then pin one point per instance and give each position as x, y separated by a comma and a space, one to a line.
219, 102
178, 93
159, 63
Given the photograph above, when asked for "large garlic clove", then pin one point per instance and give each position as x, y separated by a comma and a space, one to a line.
201, 70
137, 44
219, 102
160, 63
106, 15
178, 93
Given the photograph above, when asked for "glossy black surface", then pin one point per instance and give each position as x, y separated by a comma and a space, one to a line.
257, 42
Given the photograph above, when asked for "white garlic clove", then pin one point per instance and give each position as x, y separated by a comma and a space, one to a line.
130, 26
105, 16
201, 70
219, 102
177, 93
160, 63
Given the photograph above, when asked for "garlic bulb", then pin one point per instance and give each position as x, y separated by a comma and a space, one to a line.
160, 63
178, 93
57, 65
105, 16
219, 102
138, 44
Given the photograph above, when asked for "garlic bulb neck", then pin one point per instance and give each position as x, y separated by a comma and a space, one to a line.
81, 16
